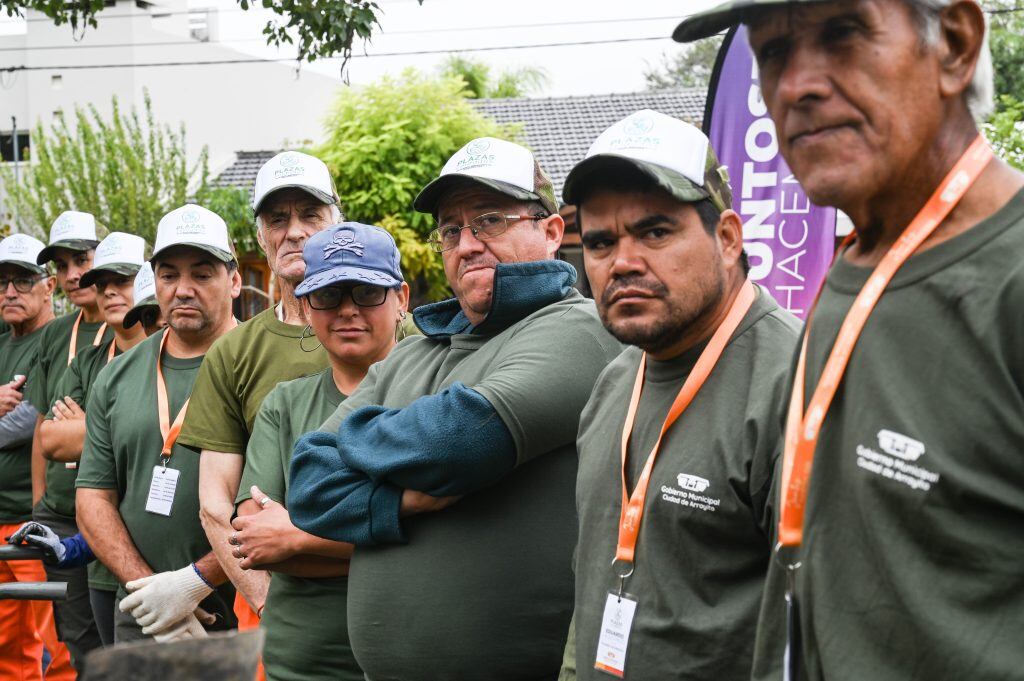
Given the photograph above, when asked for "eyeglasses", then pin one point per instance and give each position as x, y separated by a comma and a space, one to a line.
363, 295
21, 284
446, 237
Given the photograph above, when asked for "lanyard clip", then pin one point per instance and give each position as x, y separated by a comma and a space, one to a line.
788, 559
163, 460
622, 570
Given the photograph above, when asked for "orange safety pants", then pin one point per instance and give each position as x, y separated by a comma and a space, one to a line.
27, 626
247, 619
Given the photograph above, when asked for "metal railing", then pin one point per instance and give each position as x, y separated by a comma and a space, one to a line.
29, 591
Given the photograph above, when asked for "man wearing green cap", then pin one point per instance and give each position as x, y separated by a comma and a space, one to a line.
74, 237
664, 255
899, 498
117, 260
485, 406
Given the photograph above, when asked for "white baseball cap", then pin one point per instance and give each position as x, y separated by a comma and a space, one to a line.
144, 295
22, 250
293, 169
195, 226
677, 156
118, 252
500, 165
73, 230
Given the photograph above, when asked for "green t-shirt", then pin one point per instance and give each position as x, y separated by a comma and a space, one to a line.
59, 496
76, 383
18, 356
240, 369
304, 620
913, 543
704, 540
122, 448
483, 589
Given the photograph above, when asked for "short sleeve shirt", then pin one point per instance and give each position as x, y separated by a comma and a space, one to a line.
239, 371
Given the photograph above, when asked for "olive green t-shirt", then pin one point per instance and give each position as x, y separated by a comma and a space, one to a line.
122, 448
59, 496
704, 541
913, 543
18, 356
304, 620
240, 369
76, 383
483, 589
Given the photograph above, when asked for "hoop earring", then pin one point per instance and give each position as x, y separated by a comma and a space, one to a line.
303, 337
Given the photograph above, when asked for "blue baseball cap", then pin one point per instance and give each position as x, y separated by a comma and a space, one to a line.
350, 252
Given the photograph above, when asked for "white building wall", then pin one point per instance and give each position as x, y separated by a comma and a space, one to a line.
227, 107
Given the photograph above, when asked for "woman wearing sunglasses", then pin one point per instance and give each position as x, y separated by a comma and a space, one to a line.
355, 300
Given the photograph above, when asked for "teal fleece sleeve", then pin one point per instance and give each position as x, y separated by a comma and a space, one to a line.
348, 487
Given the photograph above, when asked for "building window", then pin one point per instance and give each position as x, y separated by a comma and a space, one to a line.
7, 146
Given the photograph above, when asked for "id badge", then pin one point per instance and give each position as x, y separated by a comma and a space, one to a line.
161, 490
616, 625
71, 465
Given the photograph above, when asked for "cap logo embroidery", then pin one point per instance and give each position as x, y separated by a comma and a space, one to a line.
635, 134
344, 240
62, 226
190, 223
640, 125
476, 155
291, 165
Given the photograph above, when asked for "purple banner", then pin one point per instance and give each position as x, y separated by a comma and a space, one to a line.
788, 240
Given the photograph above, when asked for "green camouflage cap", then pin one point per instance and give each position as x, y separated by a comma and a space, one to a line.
717, 19
503, 166
674, 154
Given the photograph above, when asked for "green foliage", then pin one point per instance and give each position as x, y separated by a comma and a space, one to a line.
318, 29
385, 142
1006, 39
77, 14
235, 206
480, 83
1005, 131
690, 66
126, 171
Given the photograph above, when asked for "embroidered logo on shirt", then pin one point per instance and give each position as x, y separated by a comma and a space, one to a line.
906, 448
344, 240
690, 493
893, 462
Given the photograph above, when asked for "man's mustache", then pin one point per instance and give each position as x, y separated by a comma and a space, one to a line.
652, 287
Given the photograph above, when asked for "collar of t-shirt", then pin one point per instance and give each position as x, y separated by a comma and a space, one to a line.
519, 290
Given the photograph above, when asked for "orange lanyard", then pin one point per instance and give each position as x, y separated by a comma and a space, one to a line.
168, 430
633, 506
803, 428
112, 350
73, 345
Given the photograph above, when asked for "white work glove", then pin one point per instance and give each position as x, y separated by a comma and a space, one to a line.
190, 627
159, 601
37, 534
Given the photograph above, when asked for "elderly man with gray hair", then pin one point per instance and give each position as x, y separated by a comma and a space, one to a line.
293, 199
900, 549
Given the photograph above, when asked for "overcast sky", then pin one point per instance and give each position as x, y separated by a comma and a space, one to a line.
441, 25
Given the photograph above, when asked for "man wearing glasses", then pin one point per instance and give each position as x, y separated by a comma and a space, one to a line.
293, 199
477, 418
26, 291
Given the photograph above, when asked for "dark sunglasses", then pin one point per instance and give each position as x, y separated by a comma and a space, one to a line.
363, 295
